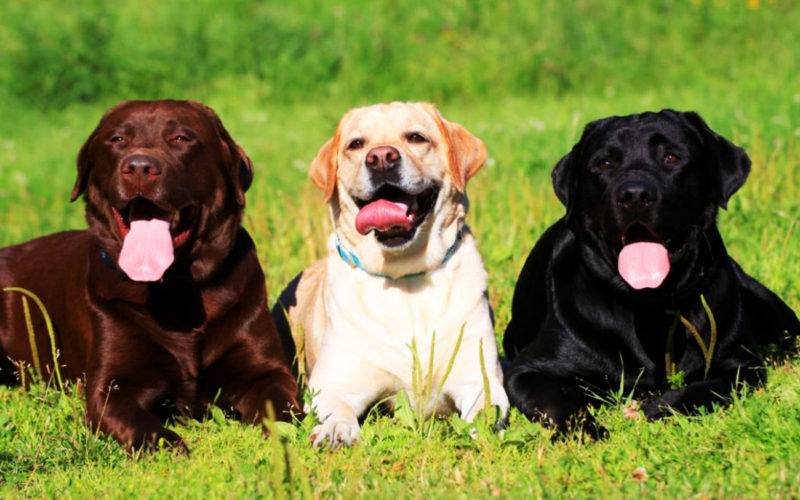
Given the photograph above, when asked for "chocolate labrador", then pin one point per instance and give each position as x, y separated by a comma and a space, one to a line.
634, 288
161, 304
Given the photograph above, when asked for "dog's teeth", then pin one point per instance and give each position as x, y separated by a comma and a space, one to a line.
176, 217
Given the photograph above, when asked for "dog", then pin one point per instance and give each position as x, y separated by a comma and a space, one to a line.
402, 268
633, 288
161, 304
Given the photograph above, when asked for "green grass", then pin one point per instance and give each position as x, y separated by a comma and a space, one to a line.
747, 449
366, 50
523, 78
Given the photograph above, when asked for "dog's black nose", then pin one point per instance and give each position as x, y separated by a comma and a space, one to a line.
636, 194
383, 158
141, 165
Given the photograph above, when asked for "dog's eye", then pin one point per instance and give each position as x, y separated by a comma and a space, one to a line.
670, 159
356, 144
179, 138
117, 138
605, 163
416, 138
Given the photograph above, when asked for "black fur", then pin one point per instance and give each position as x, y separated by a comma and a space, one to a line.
578, 328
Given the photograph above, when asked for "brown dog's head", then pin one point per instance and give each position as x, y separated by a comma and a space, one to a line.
159, 175
395, 176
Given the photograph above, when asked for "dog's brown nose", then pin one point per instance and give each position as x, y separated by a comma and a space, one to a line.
383, 158
141, 166
636, 194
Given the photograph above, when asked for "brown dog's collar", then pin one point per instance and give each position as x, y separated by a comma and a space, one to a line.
107, 260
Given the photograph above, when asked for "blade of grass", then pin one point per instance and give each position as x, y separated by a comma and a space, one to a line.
48, 325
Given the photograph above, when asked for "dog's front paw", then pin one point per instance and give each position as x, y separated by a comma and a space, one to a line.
336, 432
666, 404
658, 408
162, 439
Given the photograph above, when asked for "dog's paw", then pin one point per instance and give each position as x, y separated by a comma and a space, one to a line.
658, 408
163, 439
336, 433
668, 403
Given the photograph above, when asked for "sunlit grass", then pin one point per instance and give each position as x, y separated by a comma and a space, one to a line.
750, 447
523, 76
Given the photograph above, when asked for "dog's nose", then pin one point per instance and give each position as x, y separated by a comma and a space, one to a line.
383, 158
636, 194
141, 166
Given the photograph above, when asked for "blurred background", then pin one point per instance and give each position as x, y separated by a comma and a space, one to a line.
523, 75
56, 53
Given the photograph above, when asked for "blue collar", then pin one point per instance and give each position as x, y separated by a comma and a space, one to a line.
107, 260
353, 261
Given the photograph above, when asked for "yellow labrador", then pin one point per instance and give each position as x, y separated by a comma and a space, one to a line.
401, 265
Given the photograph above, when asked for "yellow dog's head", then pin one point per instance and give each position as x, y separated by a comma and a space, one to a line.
395, 176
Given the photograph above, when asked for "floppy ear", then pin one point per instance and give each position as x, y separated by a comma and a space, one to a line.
243, 176
241, 166
466, 154
728, 164
84, 167
323, 167
561, 177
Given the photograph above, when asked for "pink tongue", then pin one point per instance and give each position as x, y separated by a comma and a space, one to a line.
382, 215
644, 264
147, 250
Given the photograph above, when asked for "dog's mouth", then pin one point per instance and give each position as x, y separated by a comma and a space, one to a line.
150, 235
644, 257
394, 214
638, 232
179, 222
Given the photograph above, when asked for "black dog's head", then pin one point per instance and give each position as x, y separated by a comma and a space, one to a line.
641, 191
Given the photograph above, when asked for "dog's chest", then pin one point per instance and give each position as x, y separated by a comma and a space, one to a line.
410, 307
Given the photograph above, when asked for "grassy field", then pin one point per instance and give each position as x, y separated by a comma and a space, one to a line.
523, 78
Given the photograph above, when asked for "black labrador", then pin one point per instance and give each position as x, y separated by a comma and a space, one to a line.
633, 288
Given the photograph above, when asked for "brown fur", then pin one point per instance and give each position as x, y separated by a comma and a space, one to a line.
173, 346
